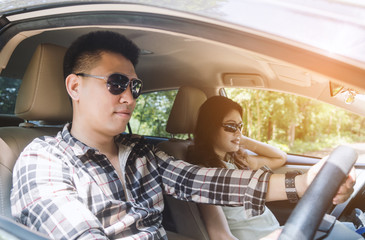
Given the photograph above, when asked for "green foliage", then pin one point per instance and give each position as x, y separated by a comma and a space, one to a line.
8, 92
296, 124
321, 146
151, 113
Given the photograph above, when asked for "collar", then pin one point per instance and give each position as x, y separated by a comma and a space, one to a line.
78, 147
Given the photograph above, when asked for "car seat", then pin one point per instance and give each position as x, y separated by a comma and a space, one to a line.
182, 120
42, 100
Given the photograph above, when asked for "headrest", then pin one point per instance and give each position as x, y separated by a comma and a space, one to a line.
42, 94
184, 112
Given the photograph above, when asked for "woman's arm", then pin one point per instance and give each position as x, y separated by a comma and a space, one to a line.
215, 222
266, 154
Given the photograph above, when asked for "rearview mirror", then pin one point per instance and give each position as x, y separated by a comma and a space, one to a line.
349, 94
335, 89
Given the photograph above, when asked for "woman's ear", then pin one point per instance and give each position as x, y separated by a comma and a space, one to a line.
72, 86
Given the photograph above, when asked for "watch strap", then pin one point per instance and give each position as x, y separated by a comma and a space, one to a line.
290, 189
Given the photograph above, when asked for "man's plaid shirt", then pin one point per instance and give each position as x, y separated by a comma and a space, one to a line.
67, 190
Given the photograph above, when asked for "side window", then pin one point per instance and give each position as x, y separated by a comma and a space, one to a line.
152, 112
296, 124
8, 91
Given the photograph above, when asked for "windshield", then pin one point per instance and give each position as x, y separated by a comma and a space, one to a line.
298, 125
336, 27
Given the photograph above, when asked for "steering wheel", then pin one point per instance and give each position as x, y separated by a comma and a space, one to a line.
307, 215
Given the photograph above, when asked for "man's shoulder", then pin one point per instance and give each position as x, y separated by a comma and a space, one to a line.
43, 143
42, 150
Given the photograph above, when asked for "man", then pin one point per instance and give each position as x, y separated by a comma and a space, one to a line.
91, 182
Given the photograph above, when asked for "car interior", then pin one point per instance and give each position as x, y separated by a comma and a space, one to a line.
42, 97
42, 105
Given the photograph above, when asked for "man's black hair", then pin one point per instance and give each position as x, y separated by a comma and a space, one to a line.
89, 46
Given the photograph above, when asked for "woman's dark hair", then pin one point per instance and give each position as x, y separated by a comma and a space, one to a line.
85, 51
210, 119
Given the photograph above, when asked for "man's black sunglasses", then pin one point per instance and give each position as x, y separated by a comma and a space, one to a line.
118, 83
232, 127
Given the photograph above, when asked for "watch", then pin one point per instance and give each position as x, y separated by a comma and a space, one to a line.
290, 189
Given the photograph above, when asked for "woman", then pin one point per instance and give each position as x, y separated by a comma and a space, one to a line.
219, 143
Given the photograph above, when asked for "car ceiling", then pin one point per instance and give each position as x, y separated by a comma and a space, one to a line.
203, 55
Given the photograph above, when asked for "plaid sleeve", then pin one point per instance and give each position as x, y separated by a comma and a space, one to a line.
215, 185
44, 198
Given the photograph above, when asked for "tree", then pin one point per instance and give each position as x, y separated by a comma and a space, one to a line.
8, 93
151, 113
295, 123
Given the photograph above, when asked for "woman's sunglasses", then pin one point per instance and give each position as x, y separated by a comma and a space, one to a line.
232, 127
118, 83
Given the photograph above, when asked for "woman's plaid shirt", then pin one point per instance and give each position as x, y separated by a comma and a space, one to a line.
68, 190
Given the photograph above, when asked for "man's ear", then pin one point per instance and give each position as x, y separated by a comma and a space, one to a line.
72, 86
